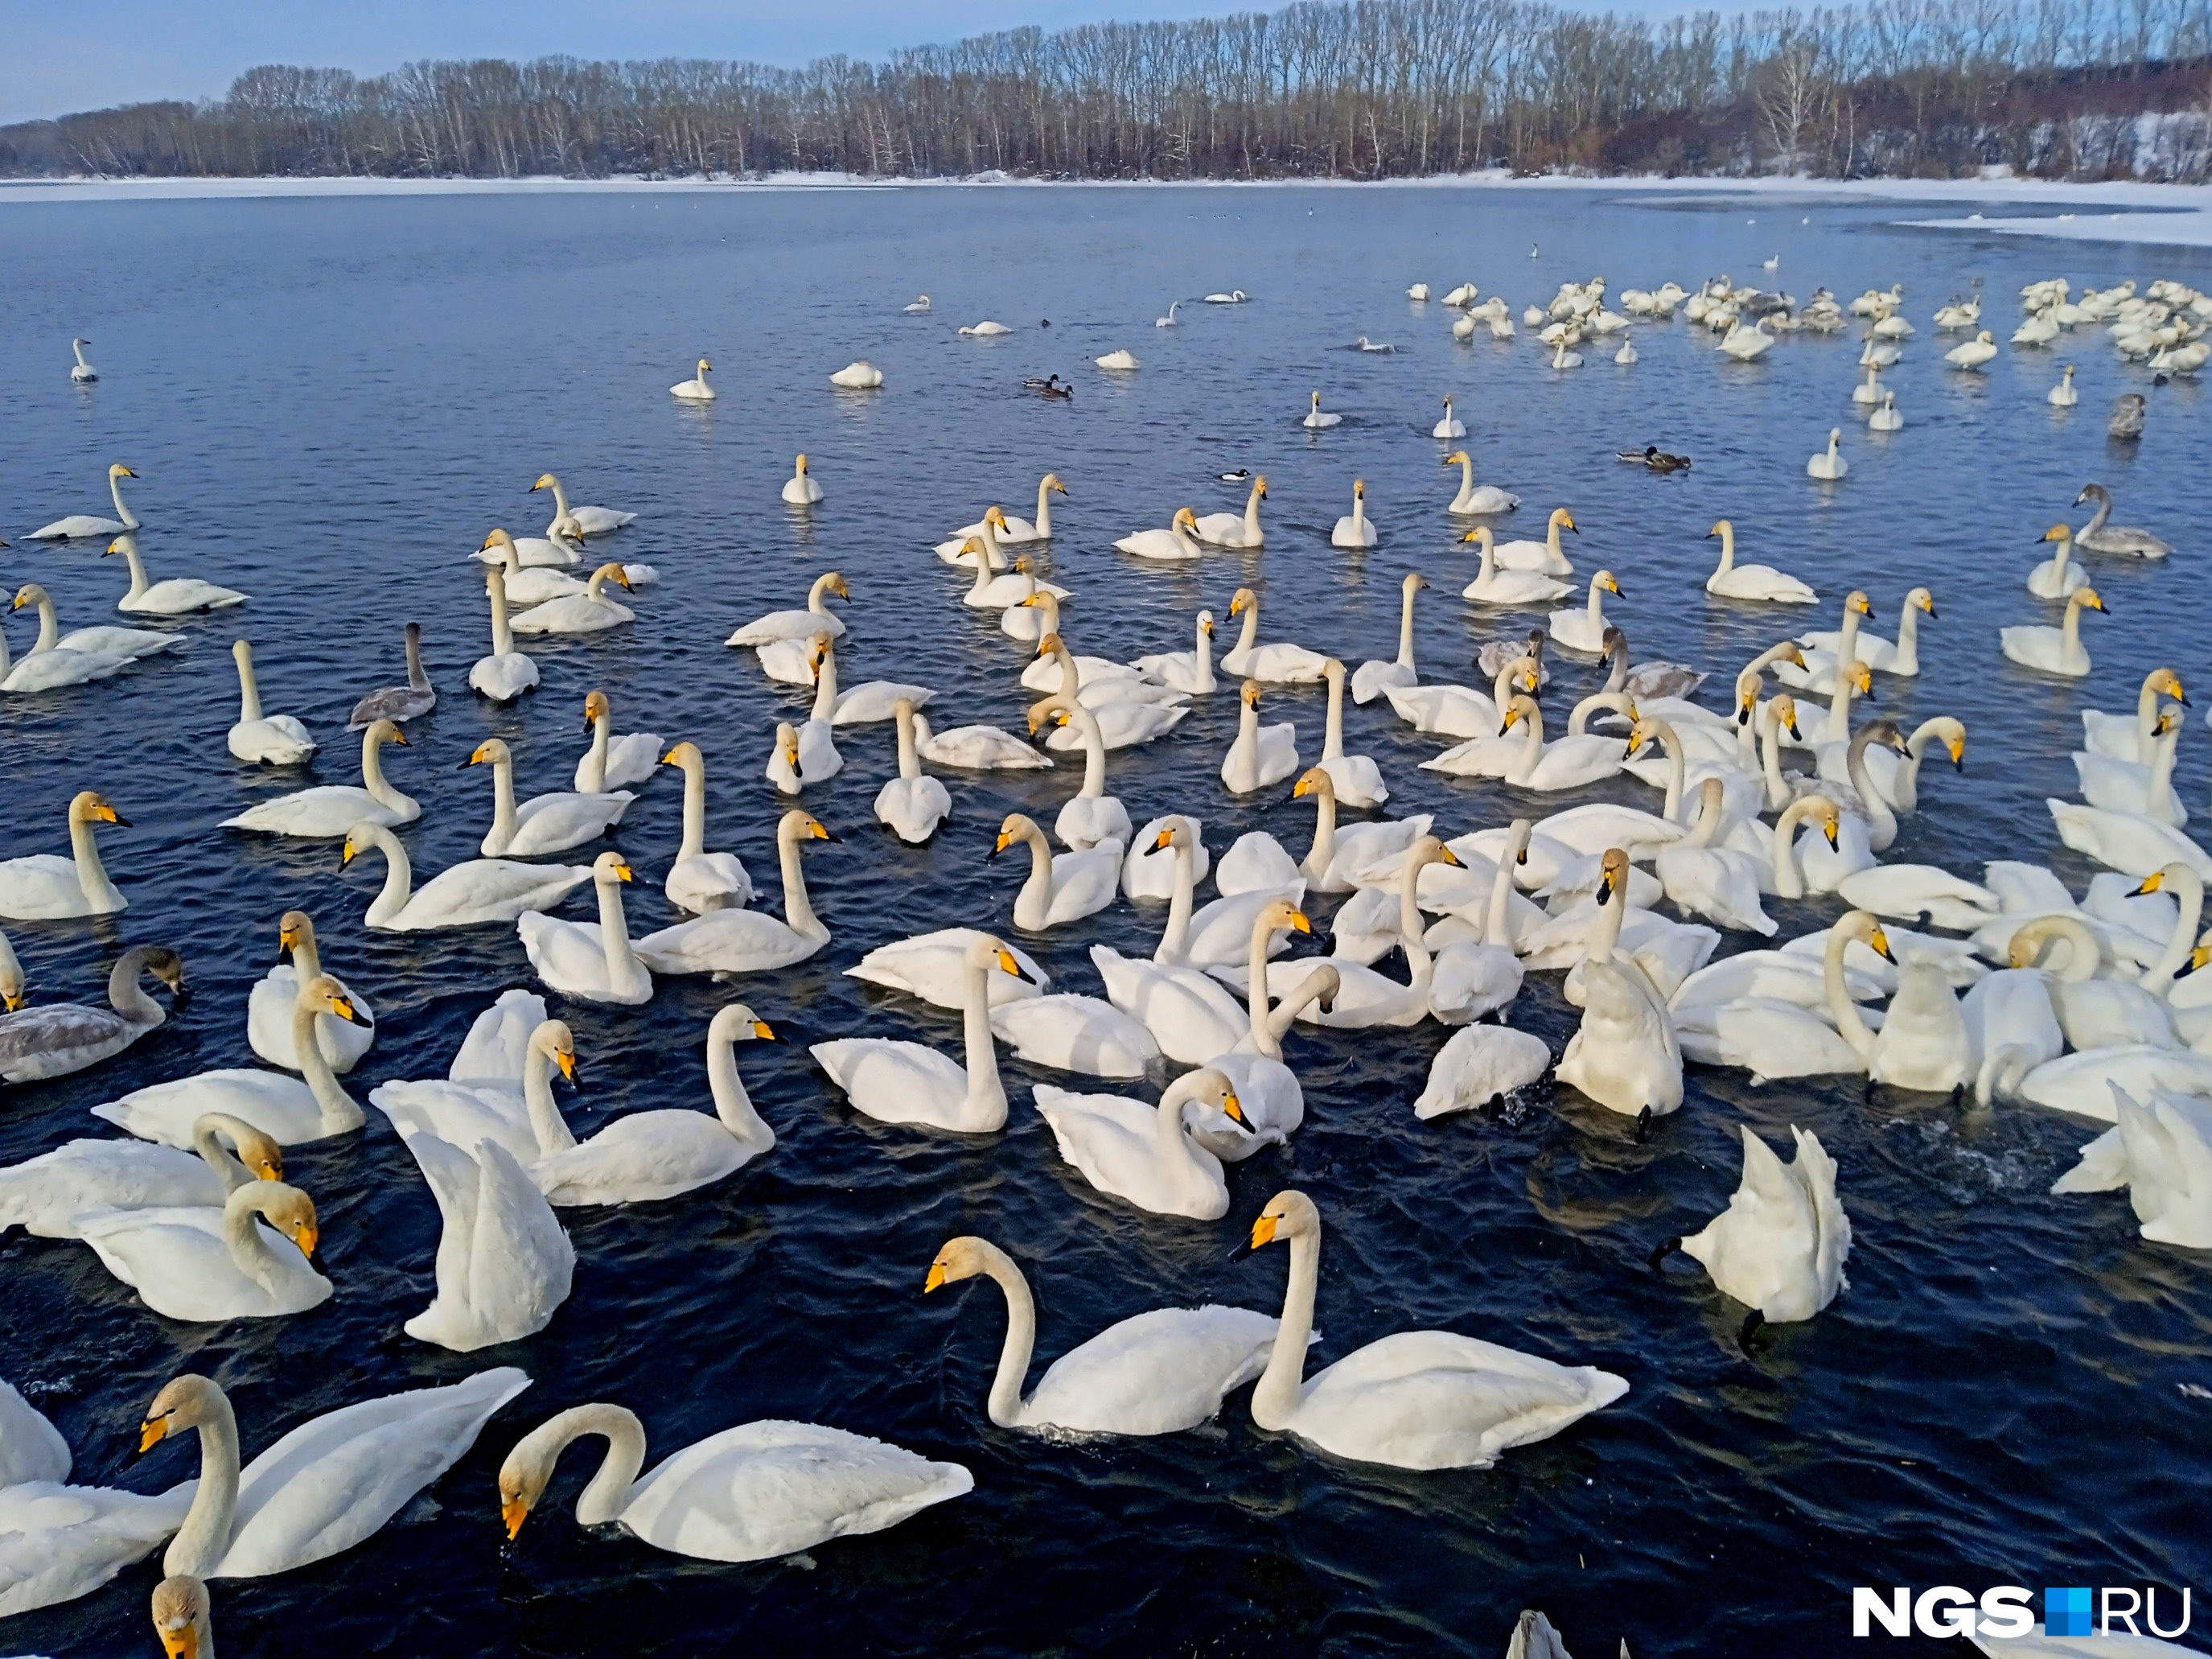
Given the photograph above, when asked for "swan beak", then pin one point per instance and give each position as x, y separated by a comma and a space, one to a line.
514, 1512
820, 833
127, 472
179, 1640
1613, 588
2197, 958
1795, 736
1263, 1234
471, 760
152, 1432
544, 481
1605, 888
622, 872
1007, 964
792, 756
2151, 884
1300, 923
1235, 1107
1469, 536
1830, 827
1006, 841
1880, 940
567, 1063
107, 814
1161, 841
345, 857
1209, 633
110, 548
1252, 696
1929, 605
269, 1168
306, 1239
399, 737
1569, 524
669, 759
1448, 856
763, 1031
15, 999
1958, 746
343, 1008
287, 941
936, 1280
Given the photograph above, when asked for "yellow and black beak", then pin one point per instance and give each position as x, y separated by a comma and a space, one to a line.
152, 1432
936, 1280
1879, 941
514, 1511
1263, 1234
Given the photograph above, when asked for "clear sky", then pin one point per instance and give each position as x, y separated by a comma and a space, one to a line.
57, 56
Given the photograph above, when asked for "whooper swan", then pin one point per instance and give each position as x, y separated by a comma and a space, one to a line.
270, 739
328, 810
173, 598
577, 521
45, 887
57, 1039
898, 1082
592, 960
470, 894
728, 940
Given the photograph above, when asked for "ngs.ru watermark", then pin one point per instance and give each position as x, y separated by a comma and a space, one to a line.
2003, 1611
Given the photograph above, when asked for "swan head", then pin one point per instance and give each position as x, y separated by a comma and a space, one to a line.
738, 1023
328, 997
612, 573
1563, 520
2092, 492
596, 708
612, 867
1051, 481
497, 539
2088, 599
1281, 915
1209, 1086
492, 752
1481, 533
1523, 707
984, 952
962, 1258
1857, 602
787, 741
1176, 832
1604, 579
1642, 733
294, 929
119, 471
1885, 733
1860, 678
1613, 875
819, 655
90, 806
1414, 582
1055, 708
1823, 812
1242, 600
180, 1615
1289, 1214
1051, 644
545, 481
287, 1209
1921, 599
1721, 527
801, 472
553, 1039
1457, 455
1259, 486
1785, 715
1019, 826
1860, 924
1431, 849
125, 544
31, 593
801, 826
184, 1402
833, 582
2166, 680
1185, 518
703, 367
1313, 781
1317, 400
1249, 692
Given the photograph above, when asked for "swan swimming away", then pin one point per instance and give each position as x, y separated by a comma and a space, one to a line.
1117, 360
1780, 1245
695, 390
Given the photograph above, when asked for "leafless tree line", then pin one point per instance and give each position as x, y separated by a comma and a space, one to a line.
1332, 89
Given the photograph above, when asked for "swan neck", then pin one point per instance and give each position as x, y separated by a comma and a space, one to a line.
1605, 931
825, 686
1036, 891
1406, 629
130, 519
909, 757
418, 680
607, 1494
92, 879
399, 880
1332, 744
249, 690
502, 637
1043, 519
207, 1141
1275, 1397
1728, 550
2189, 892
1849, 1023
1250, 636
205, 1539
987, 1096
1252, 515
547, 1126
1174, 948
1094, 755
1004, 1407
1255, 991
614, 930
138, 583
1881, 822
1409, 909
1498, 926
594, 768
1788, 882
50, 628
1322, 852
1678, 771
340, 1110
242, 1239
502, 810
124, 995
733, 1105
1839, 705
798, 909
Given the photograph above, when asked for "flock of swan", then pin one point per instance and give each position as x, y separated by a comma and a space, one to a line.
2000, 982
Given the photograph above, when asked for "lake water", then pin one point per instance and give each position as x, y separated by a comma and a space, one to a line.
330, 402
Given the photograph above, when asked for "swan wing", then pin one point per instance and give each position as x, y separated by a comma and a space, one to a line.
281, 1106
1190, 1016
57, 1038
1158, 1373
1113, 1141
724, 941
641, 1157
504, 1265
1068, 1033
337, 1479
933, 966
44, 1194
178, 1262
553, 823
1479, 1064
480, 890
769, 1489
498, 1041
896, 1081
59, 1542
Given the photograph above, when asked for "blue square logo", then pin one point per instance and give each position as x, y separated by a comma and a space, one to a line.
2066, 1611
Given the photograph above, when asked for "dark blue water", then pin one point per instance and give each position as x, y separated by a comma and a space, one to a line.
328, 404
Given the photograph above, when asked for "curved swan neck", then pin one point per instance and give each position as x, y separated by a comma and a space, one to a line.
1004, 1407
1788, 883
137, 563
207, 1141
607, 1493
798, 909
418, 680
249, 689
1881, 822
1727, 548
1849, 1023
1178, 1153
694, 807
50, 628
1037, 890
1307, 992
130, 519
1094, 752
817, 596
205, 1539
1678, 771
733, 1105
2070, 629
340, 1110
398, 879
987, 1096
1275, 1398
550, 1128
241, 1234
1250, 636
372, 773
2188, 893
1840, 704
123, 993
1252, 514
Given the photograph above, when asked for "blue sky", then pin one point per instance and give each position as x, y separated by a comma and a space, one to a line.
65, 55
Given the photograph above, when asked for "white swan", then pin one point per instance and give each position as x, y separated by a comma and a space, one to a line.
1451, 426
324, 1486
290, 1110
1473, 498
504, 1266
2126, 842
46, 1196
1278, 661
695, 390
642, 1157
919, 308
81, 372
1234, 529
1886, 419
328, 810
1122, 359
80, 526
1731, 580
500, 1087
175, 596
933, 967
1583, 631
801, 627
1167, 321
1413, 1400
801, 489
2063, 395
755, 1492
1145, 1153
1177, 545
1377, 675
1190, 672
2132, 737
545, 824
101, 639
1259, 758
1354, 530
1624, 1055
1090, 816
51, 670
1780, 1245
1058, 890
1158, 1372
1188, 1014
1074, 1034
45, 887
1974, 353
57, 1039
575, 522
871, 699
2120, 786
802, 754
1720, 883
611, 762
986, 330
2053, 650
2056, 577
63, 1541
464, 895
911, 805
1234, 297
1316, 417
739, 941
1507, 587
588, 612
1479, 1065
270, 739
1543, 557
897, 1082
2161, 1152
273, 1003
976, 748
592, 960
1357, 779
506, 674
205, 1265
1530, 762
547, 558
1828, 464
859, 375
